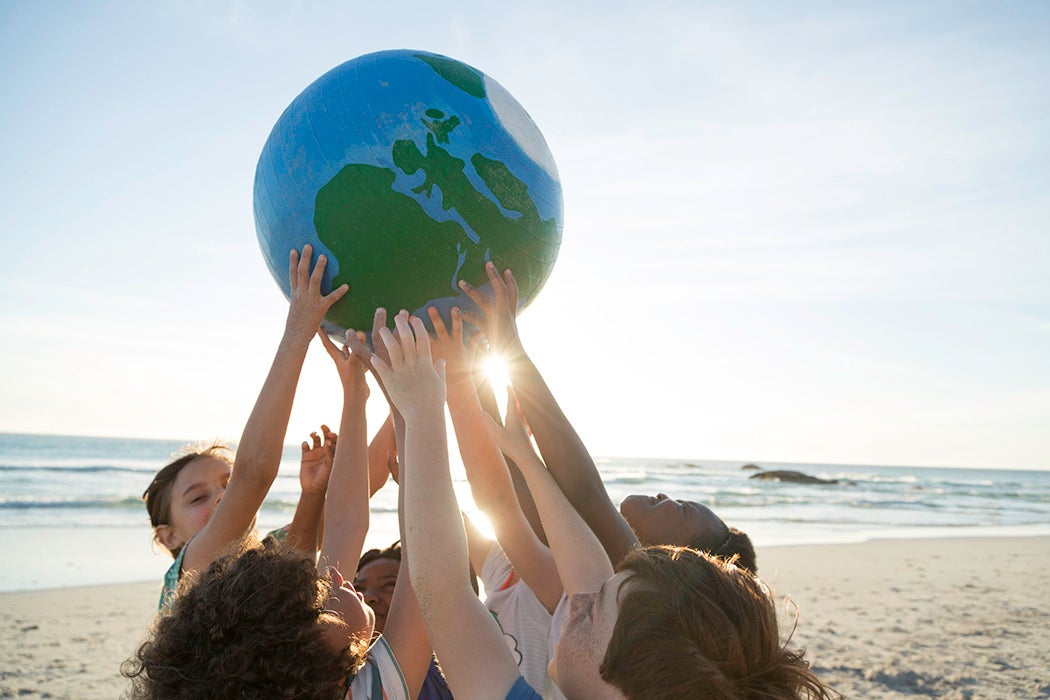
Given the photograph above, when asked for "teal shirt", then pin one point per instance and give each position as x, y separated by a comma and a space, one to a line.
171, 581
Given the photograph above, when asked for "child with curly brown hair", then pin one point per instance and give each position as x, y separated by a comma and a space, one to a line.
186, 494
264, 620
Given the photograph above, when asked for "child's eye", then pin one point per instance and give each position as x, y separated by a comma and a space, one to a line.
389, 586
196, 499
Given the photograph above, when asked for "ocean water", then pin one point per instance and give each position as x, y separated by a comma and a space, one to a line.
71, 511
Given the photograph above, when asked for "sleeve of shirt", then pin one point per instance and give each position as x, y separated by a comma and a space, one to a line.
521, 690
496, 571
380, 678
558, 619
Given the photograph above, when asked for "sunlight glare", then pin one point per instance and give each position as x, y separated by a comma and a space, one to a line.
496, 371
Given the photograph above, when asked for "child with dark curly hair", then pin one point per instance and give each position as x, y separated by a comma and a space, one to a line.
266, 621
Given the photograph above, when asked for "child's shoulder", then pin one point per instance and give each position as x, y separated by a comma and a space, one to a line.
380, 678
171, 581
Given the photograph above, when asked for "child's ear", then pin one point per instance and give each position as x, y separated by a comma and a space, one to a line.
165, 535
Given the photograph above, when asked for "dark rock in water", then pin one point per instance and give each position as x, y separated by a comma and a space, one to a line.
792, 477
750, 467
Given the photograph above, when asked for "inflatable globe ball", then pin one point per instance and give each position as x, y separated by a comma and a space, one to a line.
409, 170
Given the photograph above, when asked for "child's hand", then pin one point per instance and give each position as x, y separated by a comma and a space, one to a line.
351, 371
449, 345
480, 376
498, 314
356, 344
308, 305
411, 380
513, 436
316, 464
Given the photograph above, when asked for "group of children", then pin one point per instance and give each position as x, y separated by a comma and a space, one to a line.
656, 599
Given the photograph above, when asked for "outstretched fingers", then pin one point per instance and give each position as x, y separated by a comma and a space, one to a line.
379, 321
422, 339
302, 270
440, 330
483, 302
355, 343
499, 290
512, 290
293, 267
334, 351
395, 358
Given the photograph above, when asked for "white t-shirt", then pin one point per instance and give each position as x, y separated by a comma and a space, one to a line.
525, 622
558, 620
380, 678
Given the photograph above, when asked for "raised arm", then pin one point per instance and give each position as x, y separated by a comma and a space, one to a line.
483, 389
404, 630
476, 660
582, 562
259, 451
487, 473
315, 466
346, 506
379, 450
563, 451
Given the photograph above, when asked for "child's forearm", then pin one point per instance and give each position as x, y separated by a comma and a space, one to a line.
262, 442
487, 398
303, 530
493, 491
482, 460
346, 506
382, 442
438, 549
405, 631
567, 459
582, 562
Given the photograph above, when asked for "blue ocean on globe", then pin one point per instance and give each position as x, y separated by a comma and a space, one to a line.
409, 170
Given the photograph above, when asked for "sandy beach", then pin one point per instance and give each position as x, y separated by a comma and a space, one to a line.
952, 618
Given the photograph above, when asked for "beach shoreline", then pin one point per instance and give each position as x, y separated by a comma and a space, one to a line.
888, 618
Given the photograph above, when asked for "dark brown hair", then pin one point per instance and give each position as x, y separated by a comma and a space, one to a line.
158, 494
393, 552
692, 625
737, 544
249, 627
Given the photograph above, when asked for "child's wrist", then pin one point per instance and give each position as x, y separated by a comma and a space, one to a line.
296, 332
425, 411
513, 350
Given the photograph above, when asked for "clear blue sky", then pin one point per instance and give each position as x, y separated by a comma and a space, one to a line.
808, 233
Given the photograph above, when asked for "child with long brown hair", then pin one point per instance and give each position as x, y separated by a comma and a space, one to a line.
608, 648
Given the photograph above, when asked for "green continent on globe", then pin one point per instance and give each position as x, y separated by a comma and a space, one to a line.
459, 74
393, 254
